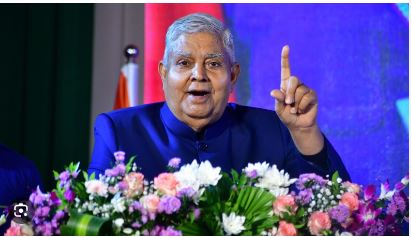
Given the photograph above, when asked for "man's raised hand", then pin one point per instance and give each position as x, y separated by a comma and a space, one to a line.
295, 103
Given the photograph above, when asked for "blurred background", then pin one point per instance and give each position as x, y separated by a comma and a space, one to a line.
60, 64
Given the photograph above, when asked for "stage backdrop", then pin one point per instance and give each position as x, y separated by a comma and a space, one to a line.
354, 55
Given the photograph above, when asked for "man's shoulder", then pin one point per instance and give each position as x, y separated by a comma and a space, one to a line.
146, 110
253, 116
248, 111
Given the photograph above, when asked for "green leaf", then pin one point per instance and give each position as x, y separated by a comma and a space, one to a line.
86, 225
56, 175
85, 176
130, 163
234, 174
242, 181
335, 176
92, 176
193, 229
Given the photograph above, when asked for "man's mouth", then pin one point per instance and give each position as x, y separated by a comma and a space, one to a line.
198, 92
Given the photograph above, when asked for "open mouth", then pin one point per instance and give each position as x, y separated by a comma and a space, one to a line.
198, 93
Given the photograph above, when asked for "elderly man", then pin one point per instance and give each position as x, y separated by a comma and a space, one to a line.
198, 72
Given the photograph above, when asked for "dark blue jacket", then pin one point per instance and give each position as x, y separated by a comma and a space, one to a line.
18, 178
242, 135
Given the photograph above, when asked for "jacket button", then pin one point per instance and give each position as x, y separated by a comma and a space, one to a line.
203, 147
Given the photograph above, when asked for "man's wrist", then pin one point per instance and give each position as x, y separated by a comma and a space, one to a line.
309, 141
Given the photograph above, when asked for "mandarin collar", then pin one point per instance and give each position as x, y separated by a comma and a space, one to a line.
181, 129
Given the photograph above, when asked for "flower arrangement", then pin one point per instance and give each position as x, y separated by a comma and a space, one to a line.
199, 199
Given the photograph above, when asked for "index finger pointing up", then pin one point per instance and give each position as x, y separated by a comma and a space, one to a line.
285, 65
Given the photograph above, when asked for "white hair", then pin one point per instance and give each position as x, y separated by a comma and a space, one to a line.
199, 22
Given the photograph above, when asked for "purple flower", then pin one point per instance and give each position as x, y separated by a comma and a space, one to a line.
197, 213
174, 162
399, 186
120, 156
37, 197
120, 169
367, 214
397, 204
378, 229
136, 205
74, 174
42, 211
122, 185
186, 192
252, 174
170, 231
152, 216
45, 228
155, 231
339, 213
169, 204
136, 225
48, 229
59, 215
69, 195
109, 172
369, 192
64, 176
309, 180
144, 219
390, 226
54, 200
305, 196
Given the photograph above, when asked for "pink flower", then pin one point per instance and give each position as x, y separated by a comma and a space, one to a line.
351, 187
284, 203
135, 183
96, 187
318, 222
350, 200
286, 229
166, 183
16, 229
13, 230
150, 202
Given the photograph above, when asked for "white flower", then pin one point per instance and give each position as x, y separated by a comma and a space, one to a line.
195, 176
233, 224
344, 233
277, 182
385, 192
96, 187
118, 203
274, 231
405, 180
2, 219
207, 174
127, 231
260, 168
187, 176
118, 222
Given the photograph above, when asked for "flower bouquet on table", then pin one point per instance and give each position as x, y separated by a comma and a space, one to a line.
199, 199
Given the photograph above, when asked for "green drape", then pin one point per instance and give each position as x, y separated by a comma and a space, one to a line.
45, 83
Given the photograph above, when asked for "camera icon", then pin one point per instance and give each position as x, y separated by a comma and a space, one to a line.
21, 210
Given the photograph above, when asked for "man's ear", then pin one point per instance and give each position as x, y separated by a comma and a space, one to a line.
235, 72
162, 70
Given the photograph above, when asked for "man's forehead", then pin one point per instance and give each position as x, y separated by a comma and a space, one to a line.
187, 54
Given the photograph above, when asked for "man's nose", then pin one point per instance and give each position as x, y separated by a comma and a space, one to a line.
199, 73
